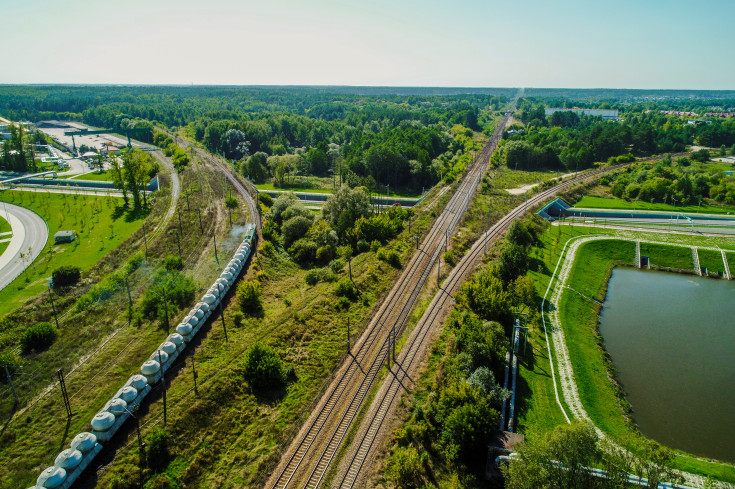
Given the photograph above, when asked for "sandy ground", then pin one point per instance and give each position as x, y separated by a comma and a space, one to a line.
526, 188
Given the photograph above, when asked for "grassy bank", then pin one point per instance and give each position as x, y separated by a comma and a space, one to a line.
668, 257
100, 223
593, 202
712, 260
95, 176
579, 315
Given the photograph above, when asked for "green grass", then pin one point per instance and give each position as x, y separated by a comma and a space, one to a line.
712, 259
4, 225
3, 246
592, 202
95, 176
579, 316
505, 178
668, 257
99, 230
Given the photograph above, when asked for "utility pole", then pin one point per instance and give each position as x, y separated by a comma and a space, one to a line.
487, 234
222, 314
179, 214
53, 307
201, 228
64, 394
145, 241
349, 348
178, 243
446, 240
194, 374
165, 308
214, 238
417, 240
141, 447
130, 299
438, 273
349, 265
163, 384
187, 201
12, 387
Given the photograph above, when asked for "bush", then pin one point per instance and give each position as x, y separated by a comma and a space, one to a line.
313, 277
265, 199
303, 251
263, 367
250, 297
363, 246
390, 256
179, 289
267, 248
37, 337
158, 452
238, 318
66, 276
343, 303
404, 467
172, 263
324, 254
345, 288
269, 230
336, 265
294, 228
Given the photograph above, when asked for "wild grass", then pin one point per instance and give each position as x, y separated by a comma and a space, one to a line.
712, 260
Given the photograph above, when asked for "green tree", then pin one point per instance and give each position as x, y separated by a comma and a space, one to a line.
250, 297
263, 367
346, 206
513, 263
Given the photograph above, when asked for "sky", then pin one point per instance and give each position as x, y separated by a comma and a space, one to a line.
665, 44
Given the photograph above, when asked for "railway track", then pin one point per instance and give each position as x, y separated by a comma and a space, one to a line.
420, 339
229, 175
310, 455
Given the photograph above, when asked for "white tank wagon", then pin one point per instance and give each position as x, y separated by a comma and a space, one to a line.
71, 462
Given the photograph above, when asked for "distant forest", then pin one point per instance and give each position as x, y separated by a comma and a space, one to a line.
383, 138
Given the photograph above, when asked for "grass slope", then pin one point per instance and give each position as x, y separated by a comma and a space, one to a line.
100, 227
593, 202
95, 176
668, 257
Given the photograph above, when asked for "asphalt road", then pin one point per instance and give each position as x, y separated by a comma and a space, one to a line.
29, 233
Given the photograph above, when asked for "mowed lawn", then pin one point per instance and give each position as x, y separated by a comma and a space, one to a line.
99, 227
95, 176
592, 202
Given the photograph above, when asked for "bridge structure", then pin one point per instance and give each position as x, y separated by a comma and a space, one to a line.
27, 176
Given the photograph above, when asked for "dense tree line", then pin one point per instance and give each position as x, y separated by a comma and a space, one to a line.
684, 181
566, 141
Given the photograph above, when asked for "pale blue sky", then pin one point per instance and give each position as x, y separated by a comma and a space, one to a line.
563, 43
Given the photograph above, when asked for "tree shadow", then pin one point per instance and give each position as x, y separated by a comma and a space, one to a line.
537, 265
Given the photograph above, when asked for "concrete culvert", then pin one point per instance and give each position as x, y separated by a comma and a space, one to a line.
51, 477
84, 442
103, 421
68, 459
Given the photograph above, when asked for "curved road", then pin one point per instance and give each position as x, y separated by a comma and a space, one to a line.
29, 233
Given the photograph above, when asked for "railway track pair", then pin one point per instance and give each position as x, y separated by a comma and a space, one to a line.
419, 341
314, 449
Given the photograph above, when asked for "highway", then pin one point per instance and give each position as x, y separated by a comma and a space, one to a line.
30, 235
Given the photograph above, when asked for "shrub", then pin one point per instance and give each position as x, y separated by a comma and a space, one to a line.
343, 303
324, 254
294, 228
250, 297
345, 288
172, 263
267, 248
37, 337
303, 251
375, 246
158, 452
313, 277
390, 256
363, 246
11, 360
404, 467
66, 276
269, 230
265, 199
336, 265
263, 367
179, 289
238, 318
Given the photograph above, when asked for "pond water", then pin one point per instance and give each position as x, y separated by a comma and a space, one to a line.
672, 339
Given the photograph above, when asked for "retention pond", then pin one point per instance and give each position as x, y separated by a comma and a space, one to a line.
672, 339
